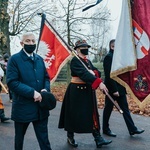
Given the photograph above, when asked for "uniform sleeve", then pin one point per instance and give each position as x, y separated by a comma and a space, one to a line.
78, 69
13, 80
96, 71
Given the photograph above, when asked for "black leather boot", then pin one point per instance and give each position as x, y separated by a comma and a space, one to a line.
2, 116
99, 140
71, 139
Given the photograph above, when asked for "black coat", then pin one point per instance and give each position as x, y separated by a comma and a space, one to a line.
112, 85
80, 101
23, 77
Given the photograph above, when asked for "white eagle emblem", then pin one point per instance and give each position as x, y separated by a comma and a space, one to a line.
45, 52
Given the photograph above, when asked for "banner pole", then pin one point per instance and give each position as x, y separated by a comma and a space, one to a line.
3, 87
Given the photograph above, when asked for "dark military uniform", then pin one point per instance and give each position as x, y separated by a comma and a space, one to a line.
80, 103
79, 112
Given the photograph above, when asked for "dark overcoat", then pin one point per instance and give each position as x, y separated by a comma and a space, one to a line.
79, 101
23, 77
111, 84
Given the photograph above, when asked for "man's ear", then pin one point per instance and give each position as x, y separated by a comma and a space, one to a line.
21, 44
78, 50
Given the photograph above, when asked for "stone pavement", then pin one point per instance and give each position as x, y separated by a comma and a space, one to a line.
57, 137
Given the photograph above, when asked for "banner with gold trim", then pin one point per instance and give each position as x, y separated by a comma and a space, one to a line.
130, 66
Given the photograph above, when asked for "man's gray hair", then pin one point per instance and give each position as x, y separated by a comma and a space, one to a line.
26, 34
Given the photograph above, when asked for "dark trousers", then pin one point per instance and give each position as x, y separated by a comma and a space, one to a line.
10, 94
122, 102
41, 131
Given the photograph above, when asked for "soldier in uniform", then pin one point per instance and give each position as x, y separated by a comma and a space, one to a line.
79, 112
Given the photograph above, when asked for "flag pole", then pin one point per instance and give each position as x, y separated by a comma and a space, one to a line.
113, 101
42, 23
2, 85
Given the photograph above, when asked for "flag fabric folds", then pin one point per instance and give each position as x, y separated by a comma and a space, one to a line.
130, 66
53, 49
98, 1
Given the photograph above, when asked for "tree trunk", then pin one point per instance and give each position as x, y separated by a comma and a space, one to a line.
4, 28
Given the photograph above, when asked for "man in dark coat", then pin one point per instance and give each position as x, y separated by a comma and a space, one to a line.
27, 78
118, 92
79, 112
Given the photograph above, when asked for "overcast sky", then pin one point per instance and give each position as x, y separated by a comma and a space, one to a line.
115, 9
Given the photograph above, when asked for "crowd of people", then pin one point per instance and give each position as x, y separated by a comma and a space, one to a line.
78, 114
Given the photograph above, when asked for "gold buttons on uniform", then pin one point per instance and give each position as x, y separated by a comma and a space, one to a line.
82, 87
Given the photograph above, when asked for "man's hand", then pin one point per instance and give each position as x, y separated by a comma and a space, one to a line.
103, 87
37, 96
116, 94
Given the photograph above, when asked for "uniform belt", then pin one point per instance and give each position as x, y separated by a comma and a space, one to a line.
77, 80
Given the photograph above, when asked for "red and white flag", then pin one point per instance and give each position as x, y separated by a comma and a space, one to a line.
130, 66
52, 49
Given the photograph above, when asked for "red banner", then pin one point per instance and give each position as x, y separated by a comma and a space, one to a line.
53, 50
135, 77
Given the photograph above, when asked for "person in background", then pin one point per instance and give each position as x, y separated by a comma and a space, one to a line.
79, 112
4, 67
2, 64
27, 77
5, 58
117, 92
3, 118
